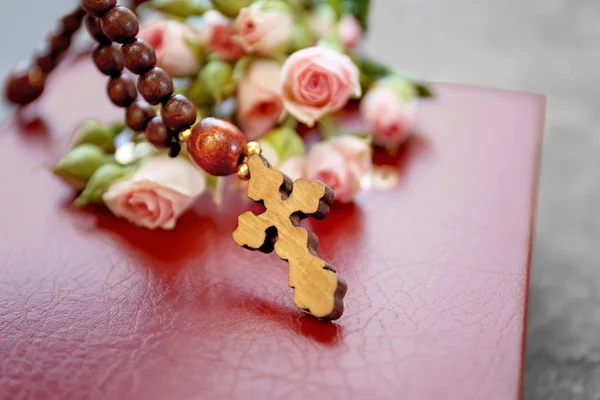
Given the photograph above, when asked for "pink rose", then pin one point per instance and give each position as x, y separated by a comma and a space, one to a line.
316, 81
263, 30
218, 36
350, 31
388, 117
259, 102
157, 193
294, 167
341, 163
173, 54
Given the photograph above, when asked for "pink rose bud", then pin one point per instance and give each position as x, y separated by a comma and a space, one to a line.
350, 31
389, 114
342, 163
217, 36
317, 81
157, 193
259, 102
264, 28
172, 41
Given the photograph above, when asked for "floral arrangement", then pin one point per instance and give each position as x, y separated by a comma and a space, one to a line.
289, 73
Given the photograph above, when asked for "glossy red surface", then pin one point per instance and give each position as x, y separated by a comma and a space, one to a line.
437, 269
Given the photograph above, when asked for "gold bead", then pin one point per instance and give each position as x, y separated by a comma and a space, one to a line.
252, 149
185, 135
243, 172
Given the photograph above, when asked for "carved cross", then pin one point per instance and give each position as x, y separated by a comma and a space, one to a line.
317, 288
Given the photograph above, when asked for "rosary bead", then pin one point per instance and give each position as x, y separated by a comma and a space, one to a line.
60, 43
156, 86
72, 22
216, 146
98, 8
179, 113
139, 56
138, 114
108, 59
46, 58
92, 25
156, 132
121, 90
25, 84
120, 24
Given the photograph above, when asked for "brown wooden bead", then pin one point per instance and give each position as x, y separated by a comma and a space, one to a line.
139, 56
108, 59
179, 113
98, 8
72, 22
60, 42
120, 24
24, 84
46, 58
92, 25
138, 114
121, 90
216, 146
156, 86
156, 132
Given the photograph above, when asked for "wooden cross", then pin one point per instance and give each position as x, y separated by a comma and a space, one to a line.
317, 288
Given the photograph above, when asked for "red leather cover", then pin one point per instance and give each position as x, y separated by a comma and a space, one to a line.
92, 307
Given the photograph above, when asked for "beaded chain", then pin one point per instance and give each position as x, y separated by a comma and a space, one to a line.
115, 28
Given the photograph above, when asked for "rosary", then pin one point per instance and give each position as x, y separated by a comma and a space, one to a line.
215, 145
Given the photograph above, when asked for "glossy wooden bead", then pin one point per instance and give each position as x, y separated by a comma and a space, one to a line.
156, 86
72, 22
156, 132
120, 24
179, 113
139, 56
46, 58
121, 90
24, 84
98, 8
92, 24
138, 114
108, 59
60, 42
216, 146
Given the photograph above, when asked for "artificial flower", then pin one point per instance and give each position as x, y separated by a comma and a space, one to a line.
157, 193
316, 81
217, 36
172, 42
389, 113
350, 31
259, 102
264, 28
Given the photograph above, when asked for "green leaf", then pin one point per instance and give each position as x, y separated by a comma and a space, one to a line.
98, 184
179, 8
286, 142
217, 78
424, 90
103, 135
240, 68
358, 8
231, 8
78, 165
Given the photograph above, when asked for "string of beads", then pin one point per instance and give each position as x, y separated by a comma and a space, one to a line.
217, 146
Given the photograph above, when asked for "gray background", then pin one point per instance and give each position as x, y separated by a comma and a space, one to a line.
544, 46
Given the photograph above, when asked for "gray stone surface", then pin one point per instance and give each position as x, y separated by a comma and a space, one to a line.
544, 46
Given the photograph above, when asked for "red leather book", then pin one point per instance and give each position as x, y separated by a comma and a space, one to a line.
437, 268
